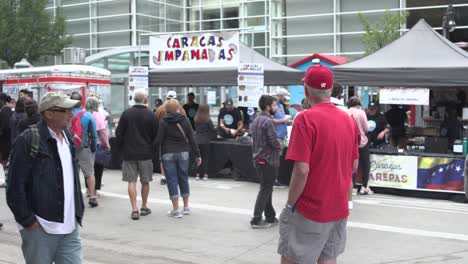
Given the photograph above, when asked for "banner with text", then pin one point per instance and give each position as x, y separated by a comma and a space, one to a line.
251, 82
195, 50
441, 174
393, 171
404, 96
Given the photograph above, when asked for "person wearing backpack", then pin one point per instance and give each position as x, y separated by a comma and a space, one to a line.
83, 127
44, 192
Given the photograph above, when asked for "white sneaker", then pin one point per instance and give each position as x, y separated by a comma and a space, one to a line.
187, 211
174, 213
369, 191
350, 205
197, 178
205, 178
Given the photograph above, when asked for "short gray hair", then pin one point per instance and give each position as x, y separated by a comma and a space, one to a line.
318, 92
139, 95
92, 104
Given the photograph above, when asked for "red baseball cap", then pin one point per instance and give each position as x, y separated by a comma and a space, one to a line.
318, 77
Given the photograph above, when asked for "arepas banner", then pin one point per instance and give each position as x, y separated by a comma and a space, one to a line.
393, 171
195, 50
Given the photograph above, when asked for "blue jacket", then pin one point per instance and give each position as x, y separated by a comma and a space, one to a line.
35, 185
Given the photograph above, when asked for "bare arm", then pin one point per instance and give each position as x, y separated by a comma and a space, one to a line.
299, 177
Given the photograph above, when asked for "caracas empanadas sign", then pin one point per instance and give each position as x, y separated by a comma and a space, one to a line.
195, 50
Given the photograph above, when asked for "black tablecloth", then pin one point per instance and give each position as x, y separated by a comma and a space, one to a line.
224, 154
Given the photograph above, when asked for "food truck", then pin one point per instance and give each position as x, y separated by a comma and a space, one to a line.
86, 80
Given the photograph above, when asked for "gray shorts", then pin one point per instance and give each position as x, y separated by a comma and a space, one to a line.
305, 241
131, 170
86, 161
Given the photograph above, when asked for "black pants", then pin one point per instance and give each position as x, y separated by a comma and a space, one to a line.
205, 155
364, 164
98, 171
267, 176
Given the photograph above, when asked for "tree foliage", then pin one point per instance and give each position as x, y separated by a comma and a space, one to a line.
28, 31
382, 32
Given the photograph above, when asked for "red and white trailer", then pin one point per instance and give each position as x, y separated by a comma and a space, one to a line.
86, 80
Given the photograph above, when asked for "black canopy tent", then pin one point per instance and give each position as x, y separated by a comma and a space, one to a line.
275, 73
419, 58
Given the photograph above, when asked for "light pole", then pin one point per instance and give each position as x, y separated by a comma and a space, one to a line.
448, 21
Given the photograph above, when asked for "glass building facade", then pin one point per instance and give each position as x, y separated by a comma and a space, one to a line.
285, 30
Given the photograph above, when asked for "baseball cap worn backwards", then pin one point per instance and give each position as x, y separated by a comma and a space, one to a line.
56, 100
319, 77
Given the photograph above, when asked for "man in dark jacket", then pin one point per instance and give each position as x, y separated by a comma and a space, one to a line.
135, 133
44, 191
266, 156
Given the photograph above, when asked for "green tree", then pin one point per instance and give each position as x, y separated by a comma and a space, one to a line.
28, 31
382, 32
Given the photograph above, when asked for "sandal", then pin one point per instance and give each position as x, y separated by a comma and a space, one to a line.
145, 211
135, 215
93, 202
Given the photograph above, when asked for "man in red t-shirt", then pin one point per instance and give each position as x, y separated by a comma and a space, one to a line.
313, 224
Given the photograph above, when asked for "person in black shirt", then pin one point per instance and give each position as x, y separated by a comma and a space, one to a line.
230, 123
191, 108
377, 136
396, 118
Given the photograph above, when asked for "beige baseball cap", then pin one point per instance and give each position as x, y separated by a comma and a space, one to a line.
56, 99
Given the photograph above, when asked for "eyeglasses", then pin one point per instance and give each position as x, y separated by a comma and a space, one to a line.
63, 110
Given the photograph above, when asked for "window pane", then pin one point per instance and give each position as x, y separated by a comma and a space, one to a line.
150, 24
211, 25
193, 14
192, 26
75, 12
150, 8
255, 8
80, 41
259, 39
351, 43
416, 3
361, 5
174, 13
309, 7
256, 21
114, 39
231, 23
77, 27
114, 23
113, 7
211, 14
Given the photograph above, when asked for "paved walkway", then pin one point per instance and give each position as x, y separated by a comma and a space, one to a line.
382, 229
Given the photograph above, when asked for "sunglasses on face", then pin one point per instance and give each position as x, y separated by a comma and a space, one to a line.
62, 110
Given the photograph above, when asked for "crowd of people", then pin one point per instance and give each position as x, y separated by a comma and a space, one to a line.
50, 142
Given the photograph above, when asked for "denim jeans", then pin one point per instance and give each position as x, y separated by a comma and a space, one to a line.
176, 169
40, 247
267, 176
